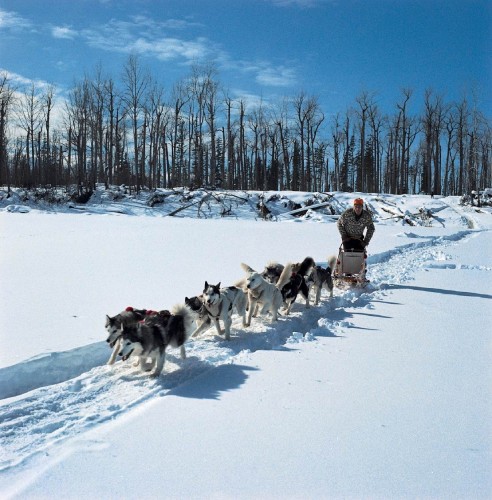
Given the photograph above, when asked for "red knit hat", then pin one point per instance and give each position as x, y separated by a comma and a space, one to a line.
358, 201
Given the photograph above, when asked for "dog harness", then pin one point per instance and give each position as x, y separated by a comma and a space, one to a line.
256, 297
209, 312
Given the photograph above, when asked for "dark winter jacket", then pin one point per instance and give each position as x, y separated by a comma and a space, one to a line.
351, 226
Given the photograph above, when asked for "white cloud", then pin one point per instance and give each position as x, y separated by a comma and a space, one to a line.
166, 49
144, 36
279, 76
298, 3
11, 20
250, 100
156, 27
21, 84
263, 72
20, 81
63, 32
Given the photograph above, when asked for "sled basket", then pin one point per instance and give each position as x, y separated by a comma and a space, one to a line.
350, 267
351, 262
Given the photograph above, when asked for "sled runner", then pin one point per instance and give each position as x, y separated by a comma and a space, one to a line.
350, 268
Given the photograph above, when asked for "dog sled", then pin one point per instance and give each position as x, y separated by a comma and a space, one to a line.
350, 268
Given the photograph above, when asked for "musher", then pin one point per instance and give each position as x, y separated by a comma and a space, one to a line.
352, 224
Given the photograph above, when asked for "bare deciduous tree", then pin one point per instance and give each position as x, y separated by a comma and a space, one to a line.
136, 81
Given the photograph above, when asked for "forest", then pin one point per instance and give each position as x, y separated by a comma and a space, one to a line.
132, 131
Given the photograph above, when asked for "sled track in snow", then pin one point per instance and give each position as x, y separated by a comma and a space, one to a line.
51, 398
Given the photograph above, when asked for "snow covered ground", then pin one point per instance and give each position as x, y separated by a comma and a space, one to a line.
384, 392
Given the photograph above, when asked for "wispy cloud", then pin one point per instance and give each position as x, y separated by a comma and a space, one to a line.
144, 36
171, 40
276, 76
21, 82
11, 20
298, 3
166, 49
251, 100
63, 32
265, 73
156, 27
15, 78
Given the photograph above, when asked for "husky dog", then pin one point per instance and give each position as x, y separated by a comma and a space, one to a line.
321, 277
150, 338
113, 326
157, 318
272, 272
263, 293
218, 304
198, 311
297, 283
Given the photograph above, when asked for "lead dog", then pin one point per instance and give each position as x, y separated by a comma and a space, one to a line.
150, 339
263, 293
322, 278
113, 326
218, 304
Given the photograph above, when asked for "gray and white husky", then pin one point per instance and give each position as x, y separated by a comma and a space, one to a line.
218, 304
321, 277
264, 294
150, 338
202, 319
272, 271
113, 326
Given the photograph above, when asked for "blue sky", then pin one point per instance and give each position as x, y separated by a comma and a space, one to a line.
334, 49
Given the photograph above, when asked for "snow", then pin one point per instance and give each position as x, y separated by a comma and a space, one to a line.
382, 392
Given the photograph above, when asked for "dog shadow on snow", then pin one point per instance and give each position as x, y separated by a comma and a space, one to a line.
442, 291
344, 317
342, 311
209, 382
198, 378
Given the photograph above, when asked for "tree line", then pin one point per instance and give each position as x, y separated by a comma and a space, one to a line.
133, 133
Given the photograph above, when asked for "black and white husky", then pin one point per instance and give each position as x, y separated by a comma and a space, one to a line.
264, 294
219, 304
322, 278
113, 325
297, 283
150, 338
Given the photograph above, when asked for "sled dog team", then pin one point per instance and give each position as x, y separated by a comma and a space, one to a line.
145, 335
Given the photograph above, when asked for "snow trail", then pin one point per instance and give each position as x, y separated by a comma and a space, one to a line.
74, 391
